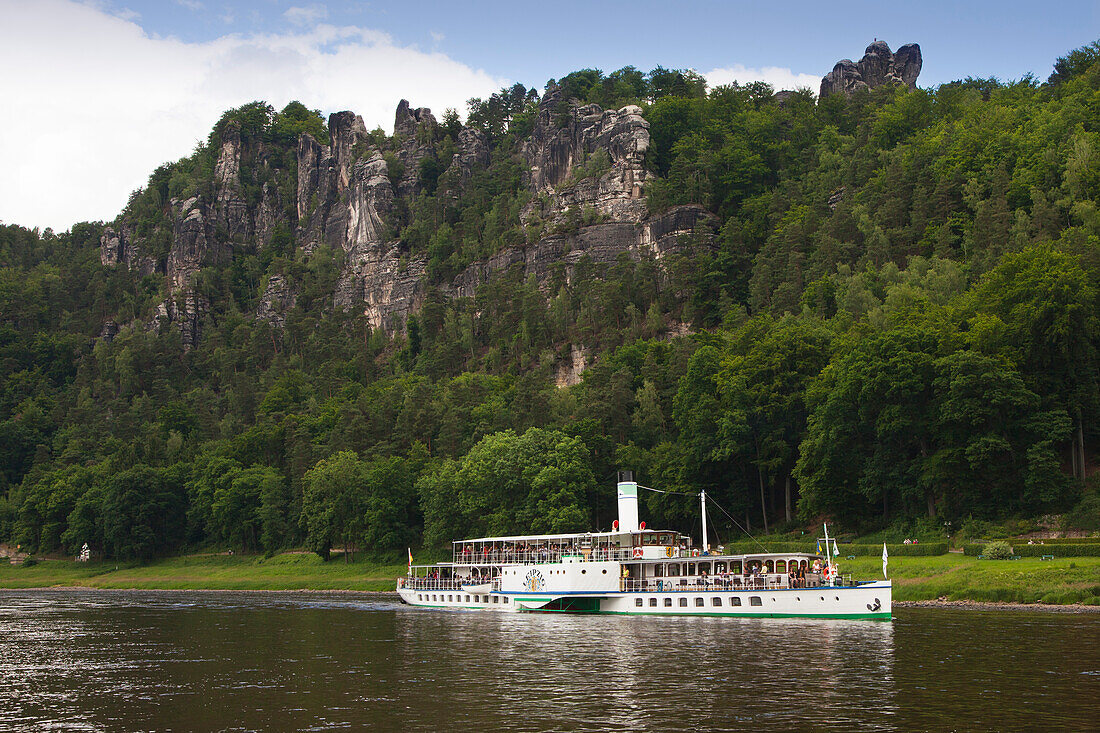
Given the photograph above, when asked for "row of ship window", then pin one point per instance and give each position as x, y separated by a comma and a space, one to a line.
639, 602
714, 601
451, 598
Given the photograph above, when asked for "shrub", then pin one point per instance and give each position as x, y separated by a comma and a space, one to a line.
997, 550
1057, 550
1086, 515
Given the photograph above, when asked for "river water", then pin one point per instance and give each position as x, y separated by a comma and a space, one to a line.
159, 661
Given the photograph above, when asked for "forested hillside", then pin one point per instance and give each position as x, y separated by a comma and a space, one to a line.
880, 307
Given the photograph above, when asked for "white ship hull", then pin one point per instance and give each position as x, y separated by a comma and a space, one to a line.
866, 601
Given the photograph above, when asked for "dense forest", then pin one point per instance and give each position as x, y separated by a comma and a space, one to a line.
891, 319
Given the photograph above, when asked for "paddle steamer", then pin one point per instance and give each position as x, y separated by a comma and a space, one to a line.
635, 570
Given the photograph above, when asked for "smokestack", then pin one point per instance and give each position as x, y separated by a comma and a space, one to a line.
628, 502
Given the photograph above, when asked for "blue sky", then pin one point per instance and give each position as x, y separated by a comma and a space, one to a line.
532, 42
100, 92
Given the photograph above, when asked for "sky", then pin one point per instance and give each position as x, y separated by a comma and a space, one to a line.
98, 93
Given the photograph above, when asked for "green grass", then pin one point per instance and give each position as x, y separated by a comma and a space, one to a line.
956, 577
1030, 580
210, 572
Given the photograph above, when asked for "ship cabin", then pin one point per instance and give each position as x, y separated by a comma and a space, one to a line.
725, 572
483, 559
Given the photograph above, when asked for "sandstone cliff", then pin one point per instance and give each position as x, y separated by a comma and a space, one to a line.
877, 68
585, 171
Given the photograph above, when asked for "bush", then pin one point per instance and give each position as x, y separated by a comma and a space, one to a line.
1086, 515
997, 550
1057, 550
923, 549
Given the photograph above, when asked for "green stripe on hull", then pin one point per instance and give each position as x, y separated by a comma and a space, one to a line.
865, 616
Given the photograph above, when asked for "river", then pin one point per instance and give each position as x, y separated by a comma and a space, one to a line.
162, 660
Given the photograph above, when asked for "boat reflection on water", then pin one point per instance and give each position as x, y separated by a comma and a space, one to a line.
651, 672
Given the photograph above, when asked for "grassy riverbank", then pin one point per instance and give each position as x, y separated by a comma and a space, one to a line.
959, 578
1061, 581
290, 571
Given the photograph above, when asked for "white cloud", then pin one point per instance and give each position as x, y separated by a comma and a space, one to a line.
93, 104
437, 36
307, 15
778, 77
190, 4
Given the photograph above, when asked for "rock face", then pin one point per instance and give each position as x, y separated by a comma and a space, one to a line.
116, 248
877, 68
231, 210
593, 159
278, 298
585, 171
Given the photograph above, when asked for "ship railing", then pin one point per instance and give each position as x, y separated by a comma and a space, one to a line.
537, 557
432, 583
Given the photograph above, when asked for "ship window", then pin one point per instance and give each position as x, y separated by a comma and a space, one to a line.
770, 566
780, 566
698, 601
433, 596
690, 569
673, 570
716, 601
704, 567
658, 571
496, 599
668, 602
419, 597
653, 601
755, 601
506, 600
450, 598
683, 602
719, 567
735, 601
584, 571
638, 602
467, 599
735, 567
605, 571
838, 598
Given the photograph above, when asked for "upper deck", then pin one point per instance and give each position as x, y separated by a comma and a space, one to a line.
587, 546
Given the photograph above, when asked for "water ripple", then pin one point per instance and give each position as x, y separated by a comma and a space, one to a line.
94, 660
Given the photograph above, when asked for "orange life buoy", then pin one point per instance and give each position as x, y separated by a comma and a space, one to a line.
637, 552
695, 553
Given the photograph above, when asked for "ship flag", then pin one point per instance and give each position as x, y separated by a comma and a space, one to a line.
819, 552
836, 550
410, 560
885, 558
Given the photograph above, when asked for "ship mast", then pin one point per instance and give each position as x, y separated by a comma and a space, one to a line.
703, 504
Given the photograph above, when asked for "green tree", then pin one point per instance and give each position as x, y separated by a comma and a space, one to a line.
332, 503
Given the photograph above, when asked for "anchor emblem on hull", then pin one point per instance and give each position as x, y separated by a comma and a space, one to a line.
877, 606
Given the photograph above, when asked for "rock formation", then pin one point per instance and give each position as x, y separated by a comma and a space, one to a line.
585, 170
596, 159
877, 68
